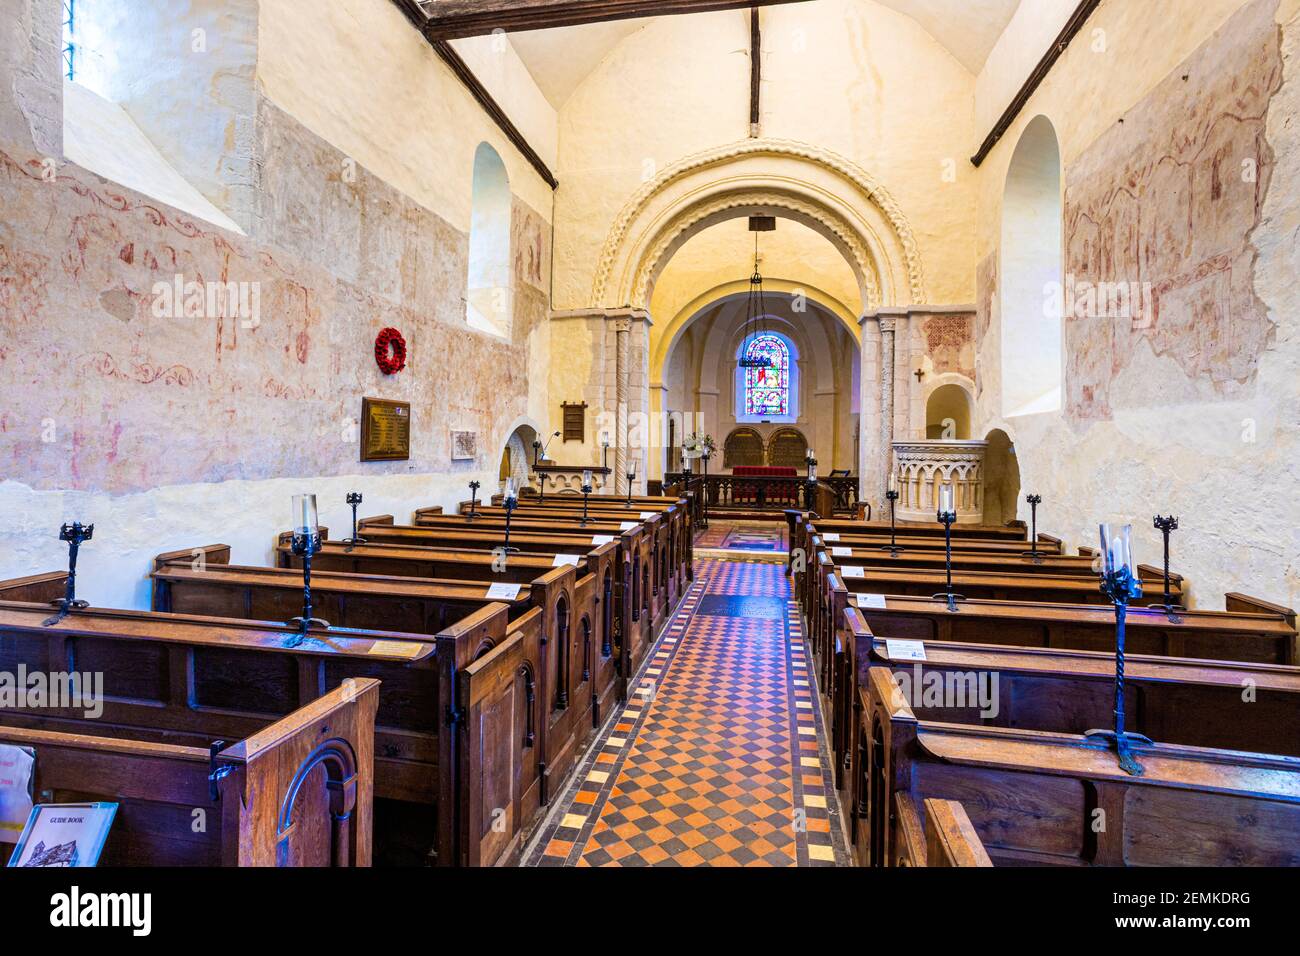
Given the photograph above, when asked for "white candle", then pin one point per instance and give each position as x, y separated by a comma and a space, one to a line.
512, 490
304, 514
893, 482
947, 502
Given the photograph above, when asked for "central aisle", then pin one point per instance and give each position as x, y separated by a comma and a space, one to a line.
719, 758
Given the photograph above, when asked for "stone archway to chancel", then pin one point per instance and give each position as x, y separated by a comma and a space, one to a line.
517, 454
695, 374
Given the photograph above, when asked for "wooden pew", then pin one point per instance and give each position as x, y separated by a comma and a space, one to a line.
939, 835
298, 792
633, 593
613, 616
1225, 704
670, 566
36, 588
573, 665
1033, 797
446, 704
676, 512
1262, 638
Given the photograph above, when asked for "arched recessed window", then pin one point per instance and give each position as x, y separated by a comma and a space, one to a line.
489, 296
1031, 300
767, 394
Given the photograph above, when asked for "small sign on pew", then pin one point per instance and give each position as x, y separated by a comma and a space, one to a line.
504, 592
830, 537
841, 552
853, 571
64, 834
563, 560
905, 650
626, 525
600, 539
646, 515
872, 601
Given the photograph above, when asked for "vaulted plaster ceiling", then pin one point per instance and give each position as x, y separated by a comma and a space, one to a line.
562, 58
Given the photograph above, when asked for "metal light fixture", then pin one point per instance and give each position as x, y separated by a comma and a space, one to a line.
947, 516
354, 499
305, 543
631, 477
74, 534
1120, 583
473, 500
510, 503
586, 492
1165, 525
1033, 553
892, 497
756, 302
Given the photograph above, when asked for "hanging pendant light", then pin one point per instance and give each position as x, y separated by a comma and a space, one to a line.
756, 306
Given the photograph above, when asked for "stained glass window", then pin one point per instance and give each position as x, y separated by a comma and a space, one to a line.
767, 390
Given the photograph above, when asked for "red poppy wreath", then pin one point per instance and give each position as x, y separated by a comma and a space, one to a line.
390, 351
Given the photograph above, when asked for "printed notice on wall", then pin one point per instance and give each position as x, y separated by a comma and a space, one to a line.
504, 592
16, 766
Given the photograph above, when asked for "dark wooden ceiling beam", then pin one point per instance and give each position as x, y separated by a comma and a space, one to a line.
455, 19
1080, 16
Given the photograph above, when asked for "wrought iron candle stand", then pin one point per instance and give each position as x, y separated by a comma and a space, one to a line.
510, 503
631, 477
304, 546
810, 483
473, 500
1033, 553
892, 497
542, 479
1121, 585
354, 499
586, 492
704, 489
74, 534
947, 516
1165, 525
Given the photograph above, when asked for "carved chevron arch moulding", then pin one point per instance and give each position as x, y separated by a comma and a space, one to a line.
865, 185
834, 227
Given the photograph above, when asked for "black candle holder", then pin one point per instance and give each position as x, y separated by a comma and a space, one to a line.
353, 499
893, 548
74, 534
1165, 525
1033, 553
473, 500
704, 489
586, 493
304, 546
509, 504
1121, 587
542, 479
948, 519
631, 477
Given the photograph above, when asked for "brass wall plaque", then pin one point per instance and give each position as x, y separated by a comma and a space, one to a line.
385, 430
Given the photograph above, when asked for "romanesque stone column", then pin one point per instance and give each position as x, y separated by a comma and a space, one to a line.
886, 399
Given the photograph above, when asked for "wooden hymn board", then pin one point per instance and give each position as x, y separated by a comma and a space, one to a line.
385, 430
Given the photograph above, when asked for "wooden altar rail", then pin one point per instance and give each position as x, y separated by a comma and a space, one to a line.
766, 493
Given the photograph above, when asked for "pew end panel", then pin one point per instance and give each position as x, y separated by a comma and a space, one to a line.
950, 837
35, 588
301, 791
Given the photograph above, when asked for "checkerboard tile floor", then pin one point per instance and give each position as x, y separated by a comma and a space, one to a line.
758, 536
719, 757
